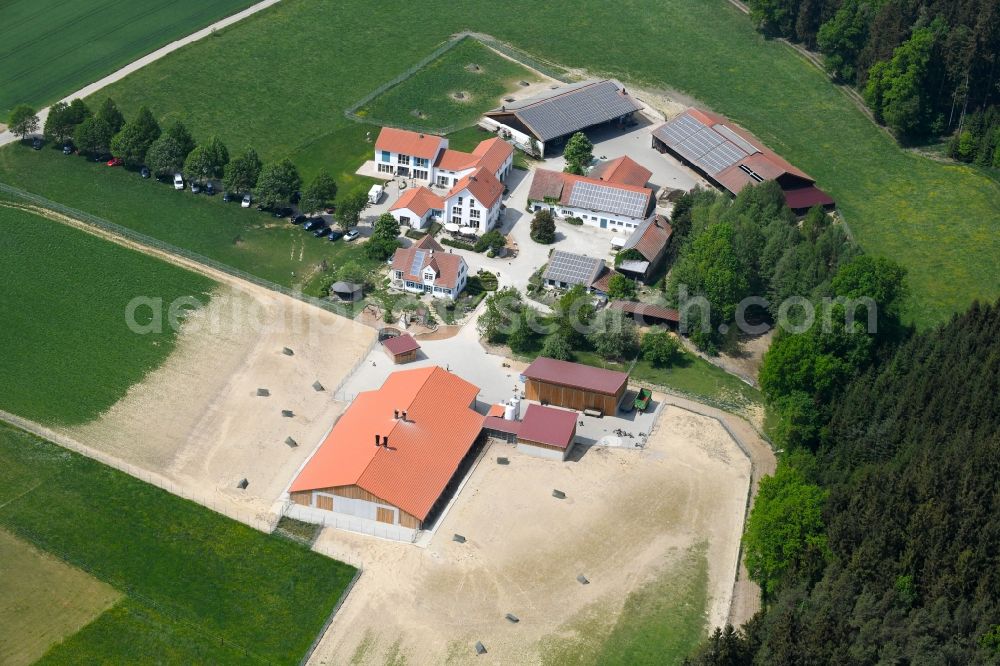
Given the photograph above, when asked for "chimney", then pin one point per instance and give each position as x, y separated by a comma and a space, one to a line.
421, 136
385, 442
395, 414
404, 414
376, 439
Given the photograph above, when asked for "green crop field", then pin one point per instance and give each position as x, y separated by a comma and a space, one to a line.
199, 588
427, 100
49, 48
246, 239
937, 219
67, 351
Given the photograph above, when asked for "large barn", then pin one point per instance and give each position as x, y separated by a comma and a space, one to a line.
733, 158
394, 458
572, 385
549, 118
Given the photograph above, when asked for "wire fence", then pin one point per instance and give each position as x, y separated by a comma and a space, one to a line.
138, 237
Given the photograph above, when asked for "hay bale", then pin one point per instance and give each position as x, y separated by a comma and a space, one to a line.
242, 485
287, 413
513, 618
287, 351
480, 648
503, 461
582, 579
263, 392
291, 442
458, 538
317, 386
558, 494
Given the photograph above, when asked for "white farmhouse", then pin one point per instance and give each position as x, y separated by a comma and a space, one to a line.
425, 268
427, 158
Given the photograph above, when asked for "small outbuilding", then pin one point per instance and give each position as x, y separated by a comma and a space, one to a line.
573, 385
547, 432
347, 291
402, 348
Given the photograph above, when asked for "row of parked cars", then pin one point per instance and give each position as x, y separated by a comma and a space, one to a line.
316, 225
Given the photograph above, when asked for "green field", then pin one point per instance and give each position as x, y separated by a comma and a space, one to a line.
199, 588
426, 100
43, 600
937, 219
67, 351
246, 239
51, 48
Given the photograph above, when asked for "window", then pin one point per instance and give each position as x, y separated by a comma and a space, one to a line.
456, 212
420, 173
474, 213
443, 181
460, 201
386, 156
457, 219
420, 162
403, 159
384, 168
399, 275
428, 277
404, 219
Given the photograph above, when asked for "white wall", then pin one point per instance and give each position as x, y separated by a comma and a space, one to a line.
393, 162
350, 523
522, 140
487, 216
614, 222
542, 452
416, 221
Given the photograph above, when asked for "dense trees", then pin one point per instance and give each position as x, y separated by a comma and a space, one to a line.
64, 118
93, 135
660, 348
620, 286
243, 172
614, 336
165, 156
133, 141
276, 183
322, 190
924, 65
905, 473
543, 227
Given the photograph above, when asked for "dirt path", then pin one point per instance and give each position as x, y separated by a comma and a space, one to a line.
7, 137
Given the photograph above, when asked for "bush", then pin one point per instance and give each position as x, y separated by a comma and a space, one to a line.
575, 221
622, 287
543, 227
487, 280
491, 240
660, 348
461, 245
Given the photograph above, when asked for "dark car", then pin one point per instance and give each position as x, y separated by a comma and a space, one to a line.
36, 143
195, 187
314, 223
322, 231
335, 235
101, 157
298, 219
67, 148
282, 212
209, 189
144, 172
231, 197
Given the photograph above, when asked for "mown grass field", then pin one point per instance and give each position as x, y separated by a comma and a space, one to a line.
199, 588
427, 99
937, 219
49, 48
68, 353
246, 239
43, 600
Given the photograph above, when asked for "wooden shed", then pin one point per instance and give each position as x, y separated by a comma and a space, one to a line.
402, 348
575, 386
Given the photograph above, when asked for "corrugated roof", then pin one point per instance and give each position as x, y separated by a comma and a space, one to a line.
576, 375
591, 194
409, 143
423, 452
501, 424
807, 197
571, 108
401, 344
572, 268
647, 310
549, 426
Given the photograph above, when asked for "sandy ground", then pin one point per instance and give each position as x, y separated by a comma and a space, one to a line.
198, 421
628, 516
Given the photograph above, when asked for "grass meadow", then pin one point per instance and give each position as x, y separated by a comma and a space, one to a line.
199, 588
52, 47
937, 219
68, 353
426, 100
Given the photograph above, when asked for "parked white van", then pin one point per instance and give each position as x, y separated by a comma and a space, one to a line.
375, 194
178, 181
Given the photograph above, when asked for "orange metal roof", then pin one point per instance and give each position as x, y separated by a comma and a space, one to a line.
424, 451
409, 143
419, 200
496, 410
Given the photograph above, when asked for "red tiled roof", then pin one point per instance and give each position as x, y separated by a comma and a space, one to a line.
807, 197
576, 375
623, 170
653, 237
549, 426
445, 264
419, 200
647, 310
401, 344
492, 153
548, 184
603, 281
482, 185
423, 452
455, 160
409, 143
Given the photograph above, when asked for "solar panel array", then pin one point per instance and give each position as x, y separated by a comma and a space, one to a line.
608, 199
573, 268
418, 262
709, 148
577, 109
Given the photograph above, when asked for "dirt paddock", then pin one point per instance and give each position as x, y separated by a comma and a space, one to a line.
627, 517
197, 419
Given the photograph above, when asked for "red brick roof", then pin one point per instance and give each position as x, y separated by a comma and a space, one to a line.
455, 160
409, 143
549, 426
492, 153
419, 200
576, 375
401, 344
548, 184
423, 452
445, 264
482, 185
650, 237
623, 170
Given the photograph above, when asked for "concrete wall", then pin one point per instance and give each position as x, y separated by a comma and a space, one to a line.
461, 213
415, 221
611, 222
351, 523
543, 451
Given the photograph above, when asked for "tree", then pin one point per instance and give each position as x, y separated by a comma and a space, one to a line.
185, 142
61, 122
574, 312
614, 336
349, 209
491, 240
110, 114
243, 172
785, 529
93, 136
579, 153
660, 348
79, 111
218, 157
556, 346
22, 121
543, 227
896, 89
503, 310
198, 165
843, 37
320, 192
135, 138
386, 226
380, 249
165, 156
877, 278
277, 182
621, 287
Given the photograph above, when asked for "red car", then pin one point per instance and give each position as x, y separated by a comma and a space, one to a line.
115, 161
